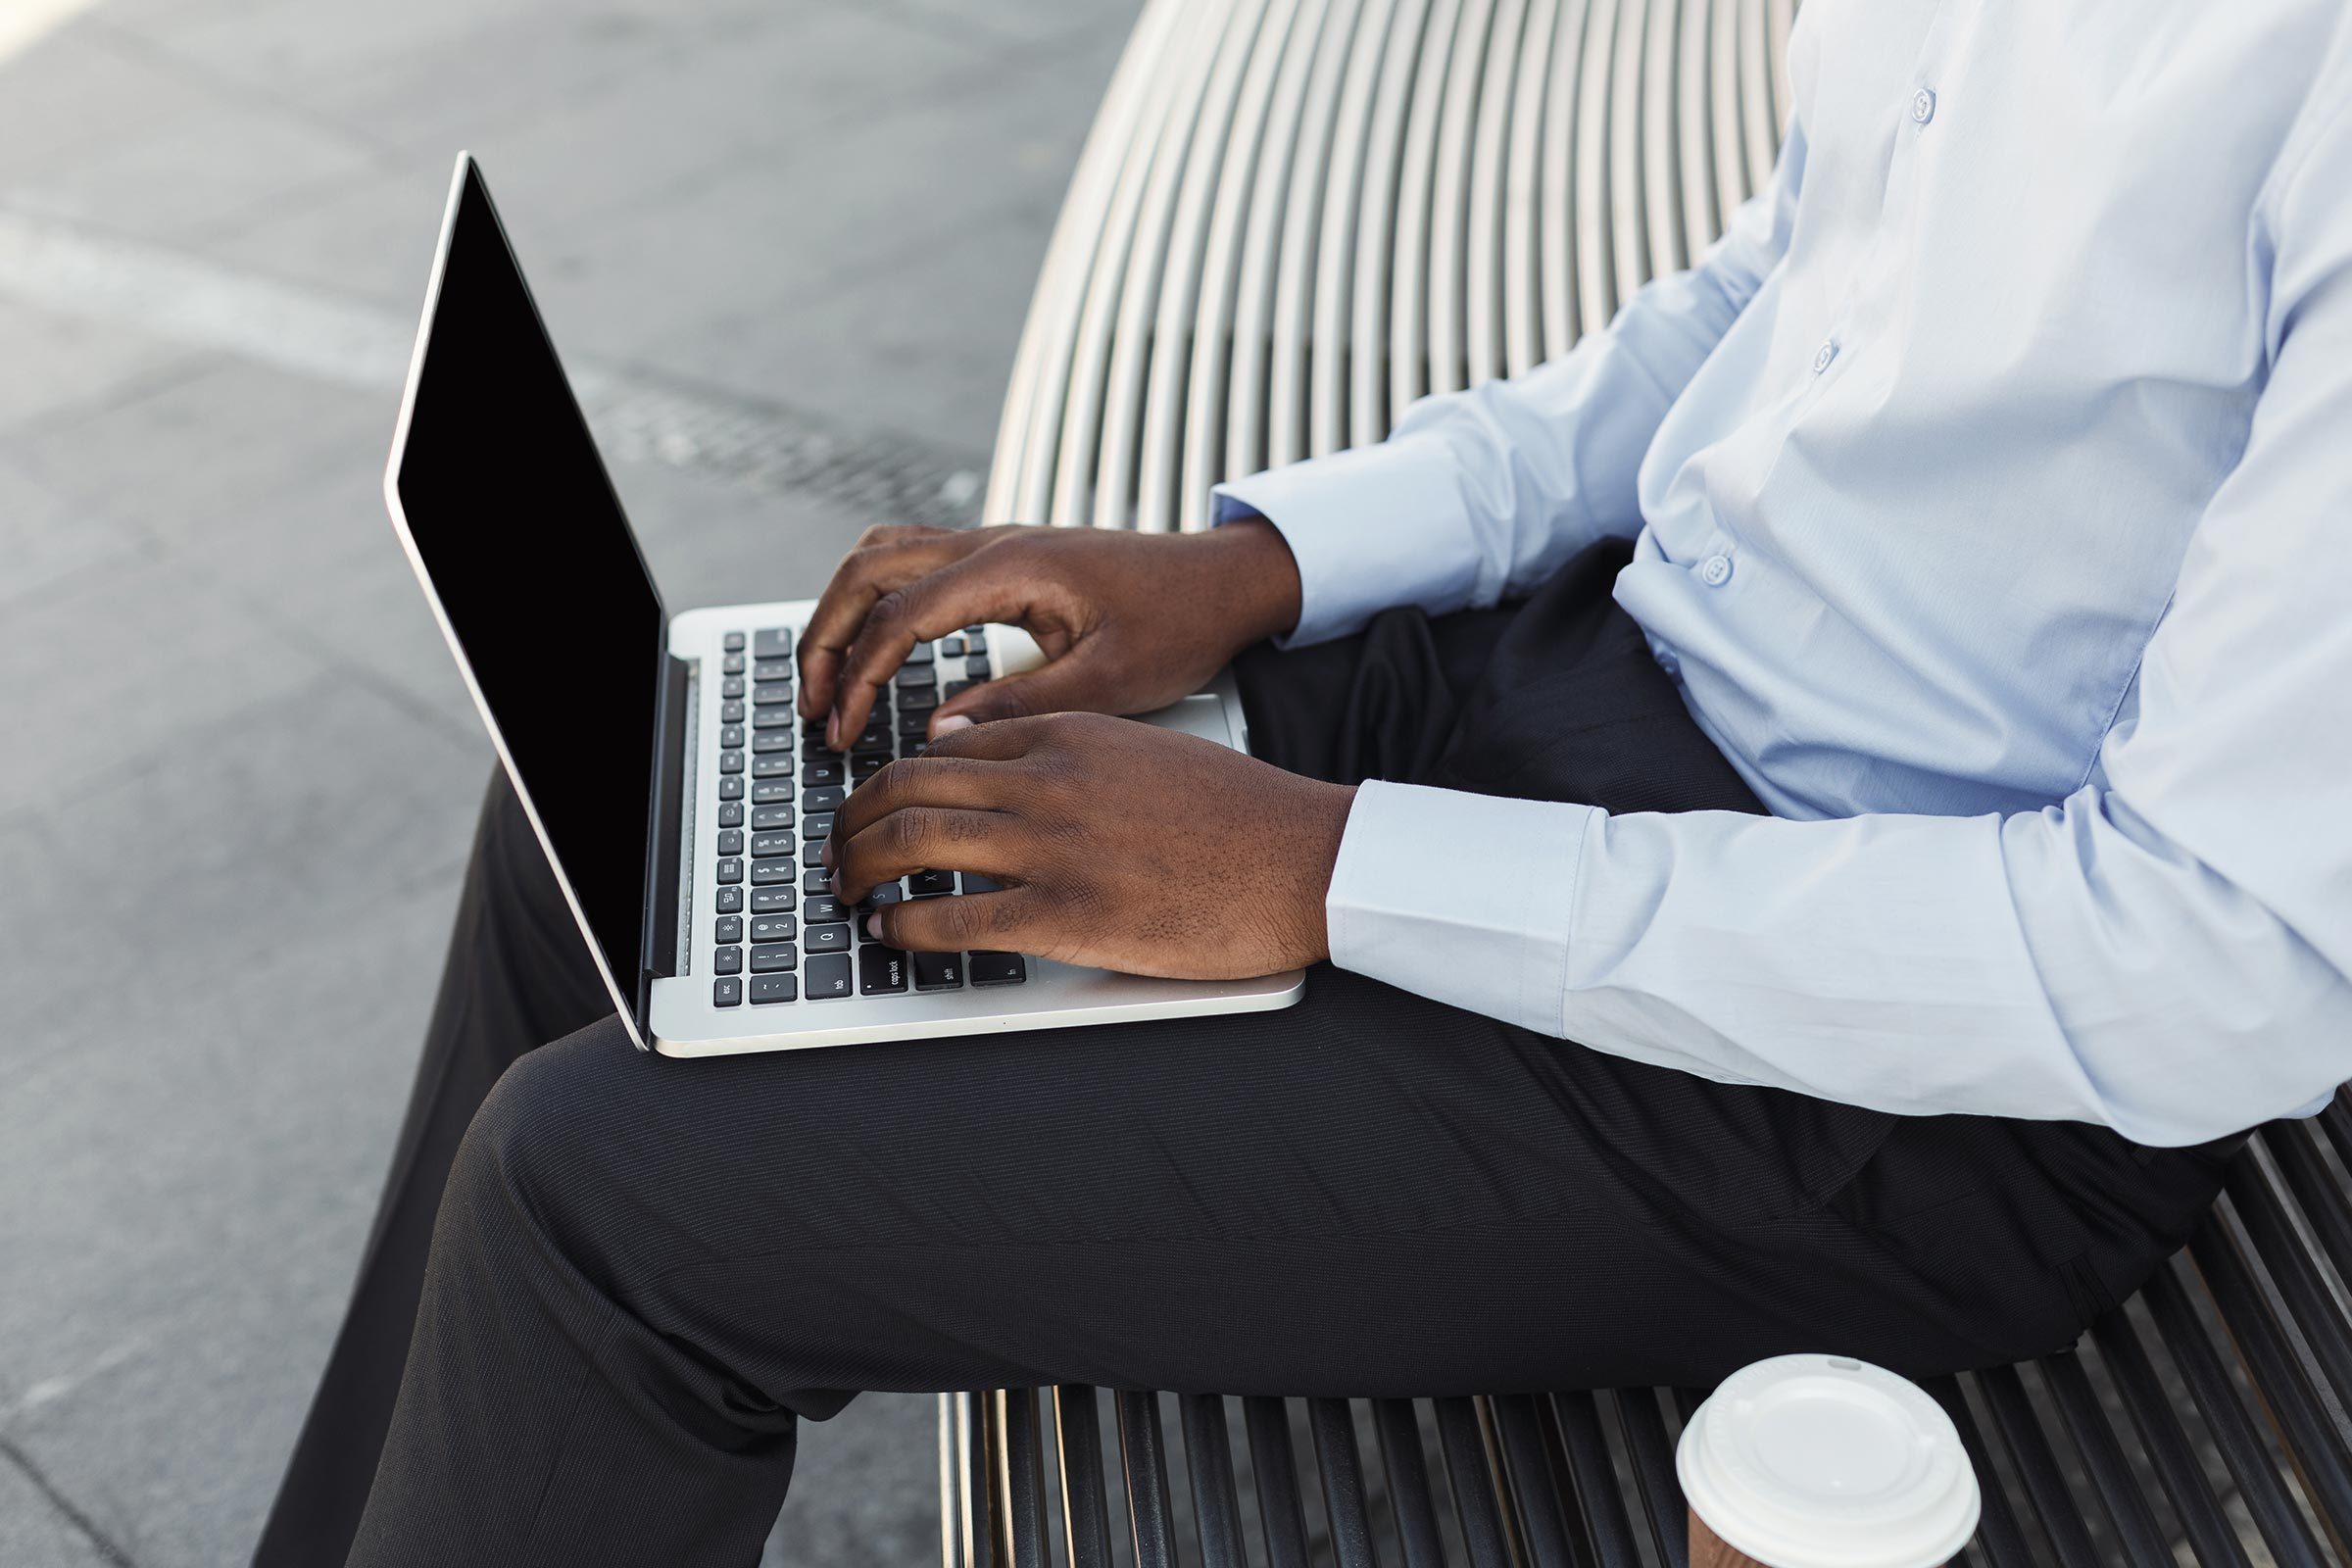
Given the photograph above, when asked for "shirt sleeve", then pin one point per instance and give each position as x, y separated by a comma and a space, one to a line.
2165, 950
1481, 493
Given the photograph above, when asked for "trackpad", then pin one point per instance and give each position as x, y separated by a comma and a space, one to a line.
1201, 714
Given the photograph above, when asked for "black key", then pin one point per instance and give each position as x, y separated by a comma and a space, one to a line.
768, 844
824, 907
732, 686
826, 938
731, 713
921, 656
775, 988
882, 893
819, 770
817, 824
731, 815
773, 957
727, 993
774, 643
773, 793
775, 719
767, 741
772, 694
915, 725
730, 870
937, 971
999, 969
956, 688
730, 841
775, 928
824, 798
768, 873
951, 647
773, 669
975, 882
733, 665
828, 976
875, 737
930, 884
881, 971
730, 901
976, 667
866, 766
729, 928
771, 900
729, 961
813, 852
921, 700
914, 676
777, 765
734, 642
771, 818
730, 762
813, 883
730, 789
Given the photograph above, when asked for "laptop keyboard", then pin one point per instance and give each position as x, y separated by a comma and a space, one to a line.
780, 935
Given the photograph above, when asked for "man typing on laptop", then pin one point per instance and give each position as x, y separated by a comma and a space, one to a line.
1817, 806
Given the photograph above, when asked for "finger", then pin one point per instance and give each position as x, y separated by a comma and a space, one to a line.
1073, 683
960, 594
960, 782
1010, 922
923, 838
885, 558
998, 742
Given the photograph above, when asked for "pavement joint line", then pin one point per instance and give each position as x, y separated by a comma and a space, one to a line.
639, 418
83, 1525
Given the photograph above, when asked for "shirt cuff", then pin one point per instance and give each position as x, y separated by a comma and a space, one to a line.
1464, 899
1370, 528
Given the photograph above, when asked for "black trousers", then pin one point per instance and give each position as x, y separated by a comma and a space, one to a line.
644, 1272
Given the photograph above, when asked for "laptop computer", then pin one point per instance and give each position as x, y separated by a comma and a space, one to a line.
659, 759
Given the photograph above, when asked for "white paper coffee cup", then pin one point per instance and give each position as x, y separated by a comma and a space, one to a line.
1821, 1461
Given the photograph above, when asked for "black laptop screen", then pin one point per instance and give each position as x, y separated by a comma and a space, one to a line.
533, 562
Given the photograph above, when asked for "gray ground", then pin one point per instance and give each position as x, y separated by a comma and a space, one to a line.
238, 771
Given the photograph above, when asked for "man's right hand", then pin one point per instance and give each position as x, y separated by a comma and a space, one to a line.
1128, 621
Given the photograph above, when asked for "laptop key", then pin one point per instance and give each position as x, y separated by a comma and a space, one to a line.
730, 762
775, 719
775, 988
921, 656
768, 873
767, 901
772, 694
775, 928
999, 969
773, 669
730, 789
813, 852
921, 700
882, 893
728, 960
732, 686
826, 938
824, 907
768, 844
777, 765
976, 667
815, 882
729, 928
773, 957
820, 770
823, 798
937, 971
975, 882
956, 688
975, 641
772, 793
732, 664
930, 884
817, 824
828, 976
915, 676
730, 901
730, 870
864, 768
881, 971
731, 713
734, 642
771, 818
731, 815
951, 647
774, 643
730, 841
916, 726
726, 992
766, 741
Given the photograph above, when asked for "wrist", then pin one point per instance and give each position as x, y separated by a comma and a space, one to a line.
1321, 857
1257, 578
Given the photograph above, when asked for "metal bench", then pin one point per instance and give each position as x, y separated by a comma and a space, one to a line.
1292, 219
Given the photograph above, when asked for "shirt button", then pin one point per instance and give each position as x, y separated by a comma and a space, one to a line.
1923, 106
1715, 570
1824, 355
1672, 666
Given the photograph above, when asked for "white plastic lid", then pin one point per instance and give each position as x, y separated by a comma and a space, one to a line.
1821, 1461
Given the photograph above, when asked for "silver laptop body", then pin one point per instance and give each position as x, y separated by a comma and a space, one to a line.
659, 758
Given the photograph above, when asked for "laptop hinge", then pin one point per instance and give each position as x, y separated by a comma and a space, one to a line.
674, 786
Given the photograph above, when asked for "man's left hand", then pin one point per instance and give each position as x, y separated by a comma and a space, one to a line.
1117, 844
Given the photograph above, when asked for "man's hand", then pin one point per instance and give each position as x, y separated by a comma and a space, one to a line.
1118, 845
1129, 622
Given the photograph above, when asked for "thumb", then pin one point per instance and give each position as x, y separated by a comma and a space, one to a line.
1067, 685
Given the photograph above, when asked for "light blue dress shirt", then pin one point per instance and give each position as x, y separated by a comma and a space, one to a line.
1992, 489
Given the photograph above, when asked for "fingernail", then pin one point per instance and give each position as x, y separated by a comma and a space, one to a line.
824, 851
833, 730
874, 926
950, 725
